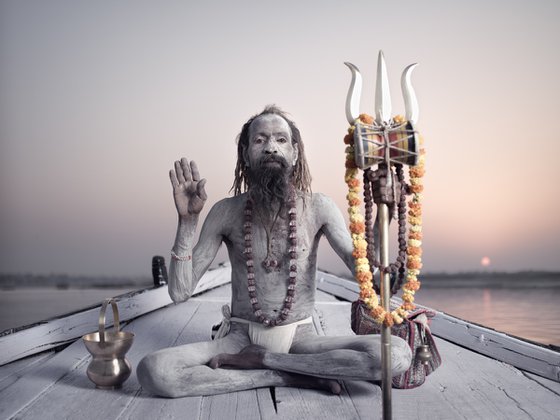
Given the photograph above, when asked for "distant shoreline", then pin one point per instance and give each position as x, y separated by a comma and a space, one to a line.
488, 279
63, 281
474, 279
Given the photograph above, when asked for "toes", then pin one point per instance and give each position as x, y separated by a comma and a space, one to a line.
335, 387
214, 362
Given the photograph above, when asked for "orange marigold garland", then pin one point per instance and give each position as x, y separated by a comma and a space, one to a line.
363, 272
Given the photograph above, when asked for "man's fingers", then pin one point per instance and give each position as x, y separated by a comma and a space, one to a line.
200, 189
179, 172
173, 178
186, 169
194, 171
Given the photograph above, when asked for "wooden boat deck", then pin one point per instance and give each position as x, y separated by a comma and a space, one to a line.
467, 386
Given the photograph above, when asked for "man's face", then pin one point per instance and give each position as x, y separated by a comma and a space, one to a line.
270, 144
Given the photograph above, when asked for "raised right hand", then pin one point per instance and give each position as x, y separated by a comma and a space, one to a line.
188, 188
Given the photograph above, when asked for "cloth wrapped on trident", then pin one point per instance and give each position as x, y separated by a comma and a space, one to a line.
388, 142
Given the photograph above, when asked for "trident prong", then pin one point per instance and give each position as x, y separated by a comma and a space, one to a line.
382, 92
410, 101
354, 94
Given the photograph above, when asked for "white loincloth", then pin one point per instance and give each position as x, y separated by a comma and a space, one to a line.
275, 339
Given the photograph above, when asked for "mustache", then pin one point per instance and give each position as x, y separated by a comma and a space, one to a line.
274, 158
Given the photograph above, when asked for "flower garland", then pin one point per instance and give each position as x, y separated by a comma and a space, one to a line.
363, 273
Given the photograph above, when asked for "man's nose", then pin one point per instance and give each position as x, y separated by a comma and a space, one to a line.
271, 148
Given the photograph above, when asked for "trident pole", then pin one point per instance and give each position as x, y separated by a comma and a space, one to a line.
382, 117
386, 382
383, 121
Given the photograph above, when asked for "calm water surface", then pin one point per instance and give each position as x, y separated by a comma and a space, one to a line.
529, 313
20, 307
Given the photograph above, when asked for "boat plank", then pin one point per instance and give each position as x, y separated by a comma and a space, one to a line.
266, 403
188, 316
36, 382
62, 380
241, 405
10, 373
500, 346
472, 386
467, 385
547, 383
297, 403
65, 329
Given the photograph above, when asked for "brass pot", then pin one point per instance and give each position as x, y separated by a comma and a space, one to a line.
109, 368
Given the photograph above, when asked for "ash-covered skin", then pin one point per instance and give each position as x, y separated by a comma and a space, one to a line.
271, 158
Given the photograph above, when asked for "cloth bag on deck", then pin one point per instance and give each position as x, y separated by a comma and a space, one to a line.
414, 330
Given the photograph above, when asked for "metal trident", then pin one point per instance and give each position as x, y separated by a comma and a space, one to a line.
382, 94
375, 144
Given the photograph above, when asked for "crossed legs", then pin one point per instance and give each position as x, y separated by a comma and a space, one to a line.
313, 362
338, 358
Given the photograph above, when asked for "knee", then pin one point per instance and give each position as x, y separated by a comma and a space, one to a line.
153, 375
401, 355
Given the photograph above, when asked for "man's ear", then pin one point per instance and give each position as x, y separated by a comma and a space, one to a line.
296, 154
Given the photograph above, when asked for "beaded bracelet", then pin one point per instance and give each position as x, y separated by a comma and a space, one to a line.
180, 258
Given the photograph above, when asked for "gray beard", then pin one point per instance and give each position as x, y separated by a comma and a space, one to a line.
270, 186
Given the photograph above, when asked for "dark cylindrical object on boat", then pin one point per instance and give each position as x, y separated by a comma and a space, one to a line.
159, 271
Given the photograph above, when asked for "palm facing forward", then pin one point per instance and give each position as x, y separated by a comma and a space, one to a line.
188, 188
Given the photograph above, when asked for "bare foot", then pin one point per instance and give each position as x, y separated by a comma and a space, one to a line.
250, 357
312, 382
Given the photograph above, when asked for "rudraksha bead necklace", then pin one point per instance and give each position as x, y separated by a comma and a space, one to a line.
398, 265
292, 250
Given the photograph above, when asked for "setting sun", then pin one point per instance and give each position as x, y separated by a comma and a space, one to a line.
485, 261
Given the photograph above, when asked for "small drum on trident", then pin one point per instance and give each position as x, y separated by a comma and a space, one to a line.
109, 368
370, 142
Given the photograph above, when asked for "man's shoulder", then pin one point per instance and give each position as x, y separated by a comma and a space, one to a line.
231, 202
321, 200
322, 206
224, 213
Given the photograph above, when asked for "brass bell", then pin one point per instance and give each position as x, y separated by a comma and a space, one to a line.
424, 355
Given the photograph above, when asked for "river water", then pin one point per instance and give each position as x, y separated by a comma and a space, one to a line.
533, 314
529, 313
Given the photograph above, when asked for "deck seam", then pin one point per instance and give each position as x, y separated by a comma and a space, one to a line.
444, 395
517, 403
16, 375
46, 390
134, 397
272, 391
539, 383
132, 400
350, 398
185, 326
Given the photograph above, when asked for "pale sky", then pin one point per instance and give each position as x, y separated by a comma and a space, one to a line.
97, 99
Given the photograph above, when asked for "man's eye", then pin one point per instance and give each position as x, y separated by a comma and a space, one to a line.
259, 140
281, 140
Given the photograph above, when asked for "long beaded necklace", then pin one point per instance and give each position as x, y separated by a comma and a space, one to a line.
292, 251
398, 265
270, 263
